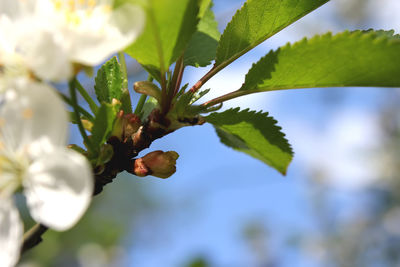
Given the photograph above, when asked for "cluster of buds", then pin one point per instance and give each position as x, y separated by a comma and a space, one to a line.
126, 126
157, 163
127, 130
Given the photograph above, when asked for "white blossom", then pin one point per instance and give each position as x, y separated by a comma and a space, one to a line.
51, 35
57, 182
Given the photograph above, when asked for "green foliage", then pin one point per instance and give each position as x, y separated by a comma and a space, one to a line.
110, 84
203, 45
346, 59
203, 6
169, 27
148, 88
185, 108
103, 124
258, 20
255, 134
150, 104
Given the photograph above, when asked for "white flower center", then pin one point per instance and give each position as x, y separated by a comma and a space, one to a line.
13, 68
13, 164
76, 12
12, 172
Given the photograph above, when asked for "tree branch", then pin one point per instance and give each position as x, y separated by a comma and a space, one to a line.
154, 128
33, 237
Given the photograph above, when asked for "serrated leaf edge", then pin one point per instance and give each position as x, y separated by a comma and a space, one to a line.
366, 34
257, 42
259, 113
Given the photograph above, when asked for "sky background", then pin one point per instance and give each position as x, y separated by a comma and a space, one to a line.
217, 193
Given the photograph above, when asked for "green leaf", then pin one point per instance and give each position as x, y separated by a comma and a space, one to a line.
203, 45
110, 83
256, 21
389, 33
169, 27
255, 134
184, 105
204, 5
103, 124
346, 59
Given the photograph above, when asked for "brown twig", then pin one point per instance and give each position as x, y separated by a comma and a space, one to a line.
180, 69
33, 237
225, 97
203, 80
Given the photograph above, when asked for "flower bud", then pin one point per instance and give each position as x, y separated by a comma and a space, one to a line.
140, 168
132, 124
161, 164
148, 88
118, 128
125, 125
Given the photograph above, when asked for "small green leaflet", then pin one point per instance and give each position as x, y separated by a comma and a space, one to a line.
256, 21
255, 134
103, 124
203, 45
110, 83
169, 27
360, 58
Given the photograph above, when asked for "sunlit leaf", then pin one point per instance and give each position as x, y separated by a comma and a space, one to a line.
360, 58
110, 83
169, 27
203, 45
254, 133
258, 20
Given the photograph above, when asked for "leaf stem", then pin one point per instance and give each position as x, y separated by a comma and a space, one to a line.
81, 109
225, 97
140, 104
175, 83
179, 69
214, 70
72, 90
82, 91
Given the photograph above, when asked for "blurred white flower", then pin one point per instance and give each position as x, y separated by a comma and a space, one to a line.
57, 182
50, 35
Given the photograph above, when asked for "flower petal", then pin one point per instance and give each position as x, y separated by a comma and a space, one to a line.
94, 43
11, 231
45, 54
58, 188
32, 113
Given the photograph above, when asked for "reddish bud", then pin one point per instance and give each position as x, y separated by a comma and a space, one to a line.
132, 124
140, 168
161, 164
125, 125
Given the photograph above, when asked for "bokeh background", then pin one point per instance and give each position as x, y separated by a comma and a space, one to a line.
339, 205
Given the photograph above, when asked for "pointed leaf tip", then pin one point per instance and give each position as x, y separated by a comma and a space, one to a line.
258, 20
